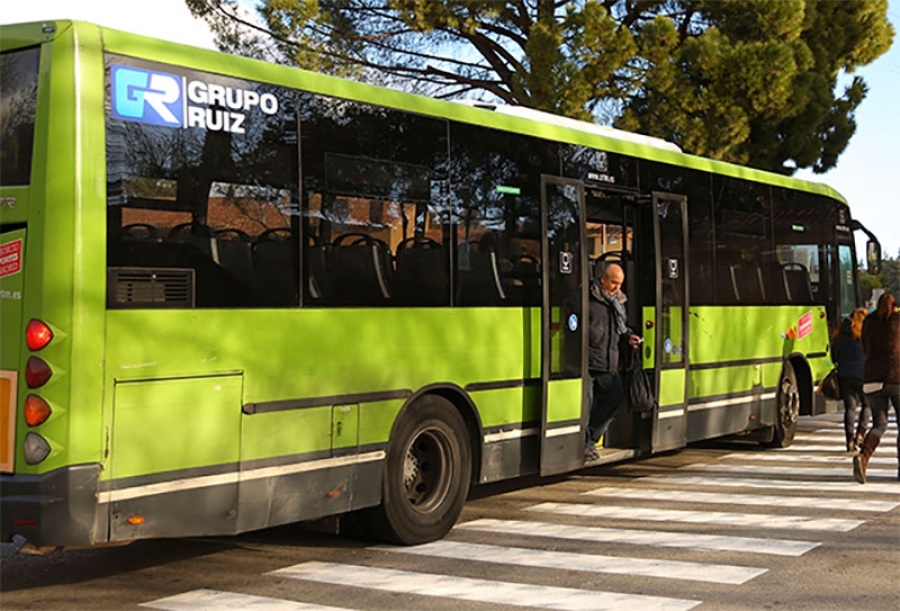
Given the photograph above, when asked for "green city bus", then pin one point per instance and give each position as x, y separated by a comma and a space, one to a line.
236, 294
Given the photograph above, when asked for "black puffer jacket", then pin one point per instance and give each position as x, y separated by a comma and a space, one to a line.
603, 340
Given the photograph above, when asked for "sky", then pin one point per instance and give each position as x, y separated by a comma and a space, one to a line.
865, 173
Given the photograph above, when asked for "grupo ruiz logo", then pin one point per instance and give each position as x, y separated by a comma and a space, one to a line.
161, 98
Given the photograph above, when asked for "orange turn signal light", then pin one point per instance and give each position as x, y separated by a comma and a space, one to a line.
37, 410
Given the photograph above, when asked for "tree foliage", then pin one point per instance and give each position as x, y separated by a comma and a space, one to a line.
752, 81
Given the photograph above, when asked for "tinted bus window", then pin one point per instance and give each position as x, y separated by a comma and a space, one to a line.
804, 228
374, 182
846, 276
18, 101
496, 208
202, 194
744, 242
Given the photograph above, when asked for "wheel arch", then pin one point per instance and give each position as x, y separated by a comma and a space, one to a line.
466, 408
803, 372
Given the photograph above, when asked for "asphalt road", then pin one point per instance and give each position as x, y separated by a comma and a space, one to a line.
722, 526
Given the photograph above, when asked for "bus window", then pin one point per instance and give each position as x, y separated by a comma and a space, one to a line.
800, 271
497, 215
18, 101
375, 192
804, 229
846, 277
743, 242
205, 214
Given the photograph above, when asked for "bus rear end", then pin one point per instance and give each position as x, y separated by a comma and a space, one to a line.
19, 70
48, 476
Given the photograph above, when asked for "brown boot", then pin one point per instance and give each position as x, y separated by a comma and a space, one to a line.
851, 442
861, 460
860, 434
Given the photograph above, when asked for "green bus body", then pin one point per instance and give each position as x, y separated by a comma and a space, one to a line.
181, 421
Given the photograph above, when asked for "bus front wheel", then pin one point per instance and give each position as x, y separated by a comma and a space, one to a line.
427, 474
787, 398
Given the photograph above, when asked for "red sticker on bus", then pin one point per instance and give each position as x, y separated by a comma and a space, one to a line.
10, 258
804, 325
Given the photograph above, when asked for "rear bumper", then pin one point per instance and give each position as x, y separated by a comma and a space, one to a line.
58, 508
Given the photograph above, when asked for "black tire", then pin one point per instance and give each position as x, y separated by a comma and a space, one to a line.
787, 408
426, 477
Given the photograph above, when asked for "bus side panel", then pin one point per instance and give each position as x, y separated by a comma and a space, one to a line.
737, 355
190, 427
511, 421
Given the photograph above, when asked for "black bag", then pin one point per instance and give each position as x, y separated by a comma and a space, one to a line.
638, 392
831, 385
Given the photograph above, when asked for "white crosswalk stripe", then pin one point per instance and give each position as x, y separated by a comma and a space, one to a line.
216, 600
836, 449
653, 538
765, 500
621, 565
745, 520
888, 434
780, 484
845, 472
837, 437
480, 590
842, 459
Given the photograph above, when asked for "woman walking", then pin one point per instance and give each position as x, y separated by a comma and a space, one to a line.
881, 377
849, 357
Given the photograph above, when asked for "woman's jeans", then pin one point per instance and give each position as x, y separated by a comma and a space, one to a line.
854, 398
879, 402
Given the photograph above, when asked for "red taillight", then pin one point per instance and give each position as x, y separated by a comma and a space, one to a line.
36, 410
37, 372
37, 334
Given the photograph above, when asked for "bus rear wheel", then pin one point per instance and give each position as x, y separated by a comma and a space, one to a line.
787, 408
427, 474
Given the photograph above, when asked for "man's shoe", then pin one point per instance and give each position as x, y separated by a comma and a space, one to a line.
591, 453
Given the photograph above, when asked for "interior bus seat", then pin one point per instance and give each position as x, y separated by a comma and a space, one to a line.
526, 277
361, 270
140, 231
797, 287
747, 282
422, 272
235, 252
317, 257
197, 235
273, 257
480, 281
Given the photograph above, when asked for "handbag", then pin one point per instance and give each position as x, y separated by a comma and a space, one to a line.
831, 385
638, 391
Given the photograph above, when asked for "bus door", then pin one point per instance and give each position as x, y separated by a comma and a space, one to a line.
563, 326
667, 331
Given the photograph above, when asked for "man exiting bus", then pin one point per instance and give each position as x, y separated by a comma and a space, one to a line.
608, 325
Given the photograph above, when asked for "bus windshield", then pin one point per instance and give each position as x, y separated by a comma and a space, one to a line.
18, 101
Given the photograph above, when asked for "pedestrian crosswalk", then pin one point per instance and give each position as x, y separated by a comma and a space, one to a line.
480, 590
754, 507
590, 563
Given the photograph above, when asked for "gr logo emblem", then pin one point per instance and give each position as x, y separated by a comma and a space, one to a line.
147, 96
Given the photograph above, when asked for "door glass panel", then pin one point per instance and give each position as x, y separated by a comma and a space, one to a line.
845, 279
564, 272
672, 276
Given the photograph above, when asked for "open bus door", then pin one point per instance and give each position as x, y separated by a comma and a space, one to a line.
563, 326
669, 335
